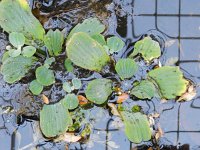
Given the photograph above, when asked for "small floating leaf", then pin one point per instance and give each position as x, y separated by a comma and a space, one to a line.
45, 76
16, 16
15, 68
35, 87
98, 90
115, 44
53, 41
49, 61
99, 38
54, 119
91, 26
145, 89
126, 68
169, 80
14, 52
70, 101
148, 48
28, 51
5, 56
67, 87
137, 127
68, 65
17, 39
85, 52
76, 83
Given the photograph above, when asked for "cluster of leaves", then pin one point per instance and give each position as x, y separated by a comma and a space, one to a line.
87, 48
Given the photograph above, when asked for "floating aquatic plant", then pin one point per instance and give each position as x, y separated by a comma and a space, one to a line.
16, 16
54, 119
85, 52
86, 48
148, 48
15, 68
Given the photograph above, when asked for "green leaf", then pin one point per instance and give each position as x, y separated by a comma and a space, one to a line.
145, 89
99, 38
91, 26
115, 44
67, 87
98, 90
76, 83
14, 52
169, 81
17, 39
53, 41
126, 68
28, 51
15, 68
137, 127
85, 52
5, 56
35, 87
49, 61
70, 101
45, 76
54, 119
148, 48
16, 16
68, 65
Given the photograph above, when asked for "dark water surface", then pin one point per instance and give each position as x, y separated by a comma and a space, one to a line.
174, 23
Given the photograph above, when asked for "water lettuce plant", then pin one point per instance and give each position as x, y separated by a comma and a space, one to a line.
87, 47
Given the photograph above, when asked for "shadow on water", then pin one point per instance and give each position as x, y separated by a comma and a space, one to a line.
175, 25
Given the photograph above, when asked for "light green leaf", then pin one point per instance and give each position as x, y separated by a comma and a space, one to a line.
85, 52
54, 119
67, 87
137, 127
14, 52
76, 83
169, 80
70, 101
5, 56
53, 41
145, 89
45, 76
15, 68
17, 39
98, 90
28, 51
91, 26
99, 38
35, 87
126, 68
68, 65
16, 16
49, 61
115, 44
148, 48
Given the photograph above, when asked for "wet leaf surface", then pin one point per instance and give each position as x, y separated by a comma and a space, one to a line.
92, 54
13, 69
54, 119
98, 90
148, 48
126, 68
169, 80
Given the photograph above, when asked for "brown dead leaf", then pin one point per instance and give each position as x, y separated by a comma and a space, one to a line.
70, 137
45, 99
122, 98
82, 100
113, 108
159, 133
189, 94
